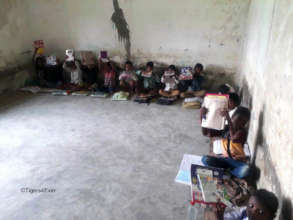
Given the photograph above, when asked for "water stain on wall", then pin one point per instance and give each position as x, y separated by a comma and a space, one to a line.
6, 6
121, 27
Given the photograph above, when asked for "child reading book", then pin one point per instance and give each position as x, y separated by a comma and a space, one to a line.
170, 81
147, 82
190, 83
232, 147
128, 78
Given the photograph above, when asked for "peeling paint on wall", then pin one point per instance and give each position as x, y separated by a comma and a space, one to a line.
121, 27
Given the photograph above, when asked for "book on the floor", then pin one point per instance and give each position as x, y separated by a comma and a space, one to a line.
80, 93
207, 185
215, 103
60, 93
99, 94
32, 89
183, 175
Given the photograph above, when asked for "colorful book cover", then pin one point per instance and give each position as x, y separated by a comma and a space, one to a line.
207, 183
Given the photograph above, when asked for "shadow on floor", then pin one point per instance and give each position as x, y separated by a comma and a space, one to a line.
11, 99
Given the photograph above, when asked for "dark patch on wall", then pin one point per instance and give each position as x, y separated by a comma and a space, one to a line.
121, 27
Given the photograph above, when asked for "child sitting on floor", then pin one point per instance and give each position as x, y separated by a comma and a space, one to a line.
230, 151
170, 80
147, 82
191, 87
233, 104
72, 69
234, 101
262, 205
109, 78
128, 78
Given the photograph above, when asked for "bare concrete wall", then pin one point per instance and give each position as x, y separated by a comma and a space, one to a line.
15, 38
209, 31
267, 74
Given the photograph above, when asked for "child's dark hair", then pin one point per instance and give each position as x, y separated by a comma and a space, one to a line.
128, 62
223, 89
199, 65
235, 98
150, 64
267, 199
172, 67
242, 112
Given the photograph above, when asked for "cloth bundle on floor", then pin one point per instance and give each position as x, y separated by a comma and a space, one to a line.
166, 101
120, 96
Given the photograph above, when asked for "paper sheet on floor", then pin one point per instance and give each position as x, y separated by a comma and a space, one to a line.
183, 175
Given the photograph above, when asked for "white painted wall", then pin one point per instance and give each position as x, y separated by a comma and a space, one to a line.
15, 37
207, 31
267, 69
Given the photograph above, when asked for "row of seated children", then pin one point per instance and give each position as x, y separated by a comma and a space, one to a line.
144, 83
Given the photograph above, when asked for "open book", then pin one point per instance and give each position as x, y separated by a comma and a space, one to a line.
208, 185
215, 103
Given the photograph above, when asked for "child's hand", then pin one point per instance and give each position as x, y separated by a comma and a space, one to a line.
224, 113
204, 111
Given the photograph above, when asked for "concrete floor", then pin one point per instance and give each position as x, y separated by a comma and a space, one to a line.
105, 160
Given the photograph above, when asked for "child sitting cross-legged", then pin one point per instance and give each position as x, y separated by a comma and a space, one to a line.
169, 79
147, 85
192, 86
128, 78
109, 78
230, 151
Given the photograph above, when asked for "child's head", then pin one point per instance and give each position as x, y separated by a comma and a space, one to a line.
262, 205
241, 117
198, 68
172, 68
234, 101
223, 89
149, 66
128, 66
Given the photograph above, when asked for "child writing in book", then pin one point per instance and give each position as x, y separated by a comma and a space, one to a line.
169, 79
231, 149
147, 82
262, 205
128, 78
